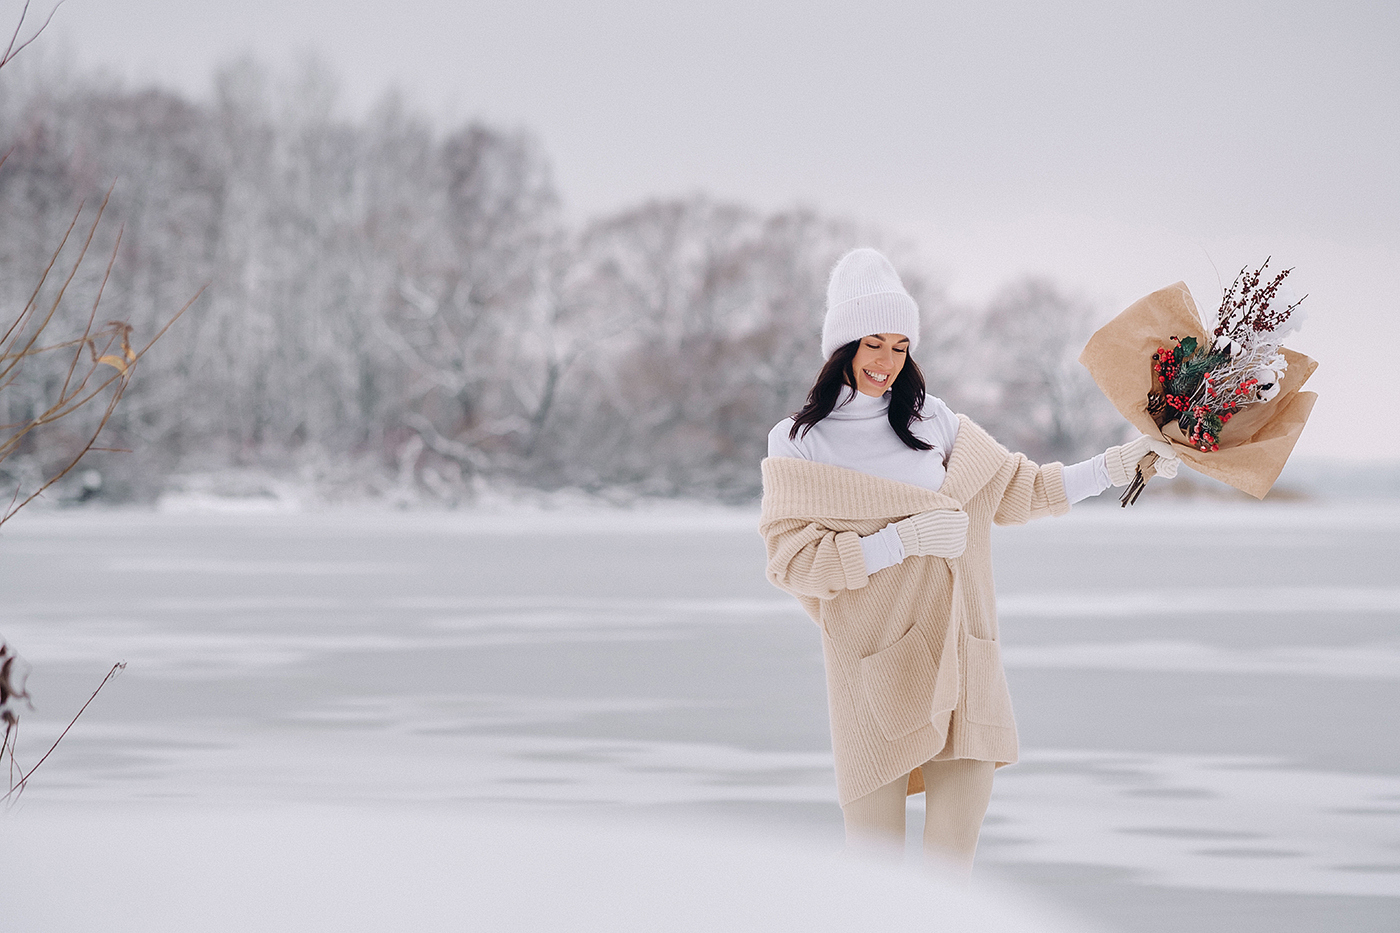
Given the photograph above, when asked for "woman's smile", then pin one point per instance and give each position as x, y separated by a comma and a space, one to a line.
877, 362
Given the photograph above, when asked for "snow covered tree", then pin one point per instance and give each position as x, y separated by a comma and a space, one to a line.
394, 305
1043, 402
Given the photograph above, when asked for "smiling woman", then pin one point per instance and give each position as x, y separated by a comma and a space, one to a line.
867, 369
878, 503
877, 362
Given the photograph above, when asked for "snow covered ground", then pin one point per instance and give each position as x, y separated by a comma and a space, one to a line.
1206, 696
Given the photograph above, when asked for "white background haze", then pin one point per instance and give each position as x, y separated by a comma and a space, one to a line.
1115, 149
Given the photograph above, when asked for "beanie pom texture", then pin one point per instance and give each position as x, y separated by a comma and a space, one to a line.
865, 296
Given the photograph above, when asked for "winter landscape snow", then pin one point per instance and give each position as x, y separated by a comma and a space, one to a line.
1205, 695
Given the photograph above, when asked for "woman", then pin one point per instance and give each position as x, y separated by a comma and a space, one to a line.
877, 507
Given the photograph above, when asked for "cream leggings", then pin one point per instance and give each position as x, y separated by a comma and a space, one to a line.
956, 793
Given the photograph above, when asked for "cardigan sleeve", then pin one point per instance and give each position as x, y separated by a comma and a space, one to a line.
1031, 491
806, 559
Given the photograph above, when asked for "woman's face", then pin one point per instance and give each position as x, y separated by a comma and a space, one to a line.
878, 360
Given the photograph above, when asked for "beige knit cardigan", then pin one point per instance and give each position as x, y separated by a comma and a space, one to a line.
913, 665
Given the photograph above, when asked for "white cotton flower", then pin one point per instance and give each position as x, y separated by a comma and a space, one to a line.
1225, 343
1270, 392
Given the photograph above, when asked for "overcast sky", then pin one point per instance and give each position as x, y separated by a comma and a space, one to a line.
1117, 147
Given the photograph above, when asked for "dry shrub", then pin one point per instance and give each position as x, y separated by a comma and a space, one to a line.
86, 373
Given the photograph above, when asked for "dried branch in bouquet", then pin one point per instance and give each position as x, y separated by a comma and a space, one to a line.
1247, 309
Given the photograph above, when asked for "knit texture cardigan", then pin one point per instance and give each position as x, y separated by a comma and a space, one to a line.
913, 665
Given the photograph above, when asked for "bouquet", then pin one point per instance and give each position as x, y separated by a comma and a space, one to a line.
1227, 399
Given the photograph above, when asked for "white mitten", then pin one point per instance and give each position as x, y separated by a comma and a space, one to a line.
1167, 460
1122, 461
940, 533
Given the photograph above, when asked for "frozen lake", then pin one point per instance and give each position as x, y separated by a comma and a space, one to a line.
1206, 694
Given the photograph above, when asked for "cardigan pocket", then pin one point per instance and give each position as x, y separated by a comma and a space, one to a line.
898, 682
988, 699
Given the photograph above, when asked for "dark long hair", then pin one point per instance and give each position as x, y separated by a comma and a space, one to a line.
906, 396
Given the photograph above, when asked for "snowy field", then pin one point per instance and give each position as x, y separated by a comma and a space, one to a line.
1206, 697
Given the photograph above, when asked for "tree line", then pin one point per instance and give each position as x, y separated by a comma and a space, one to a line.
392, 305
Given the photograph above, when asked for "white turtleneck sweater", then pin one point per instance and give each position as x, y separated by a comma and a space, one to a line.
857, 435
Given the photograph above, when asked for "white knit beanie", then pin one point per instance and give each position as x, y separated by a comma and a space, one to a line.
865, 296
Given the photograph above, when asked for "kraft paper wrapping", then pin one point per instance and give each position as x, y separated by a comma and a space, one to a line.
1256, 442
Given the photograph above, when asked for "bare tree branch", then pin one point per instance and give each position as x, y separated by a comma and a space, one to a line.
12, 50
17, 789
